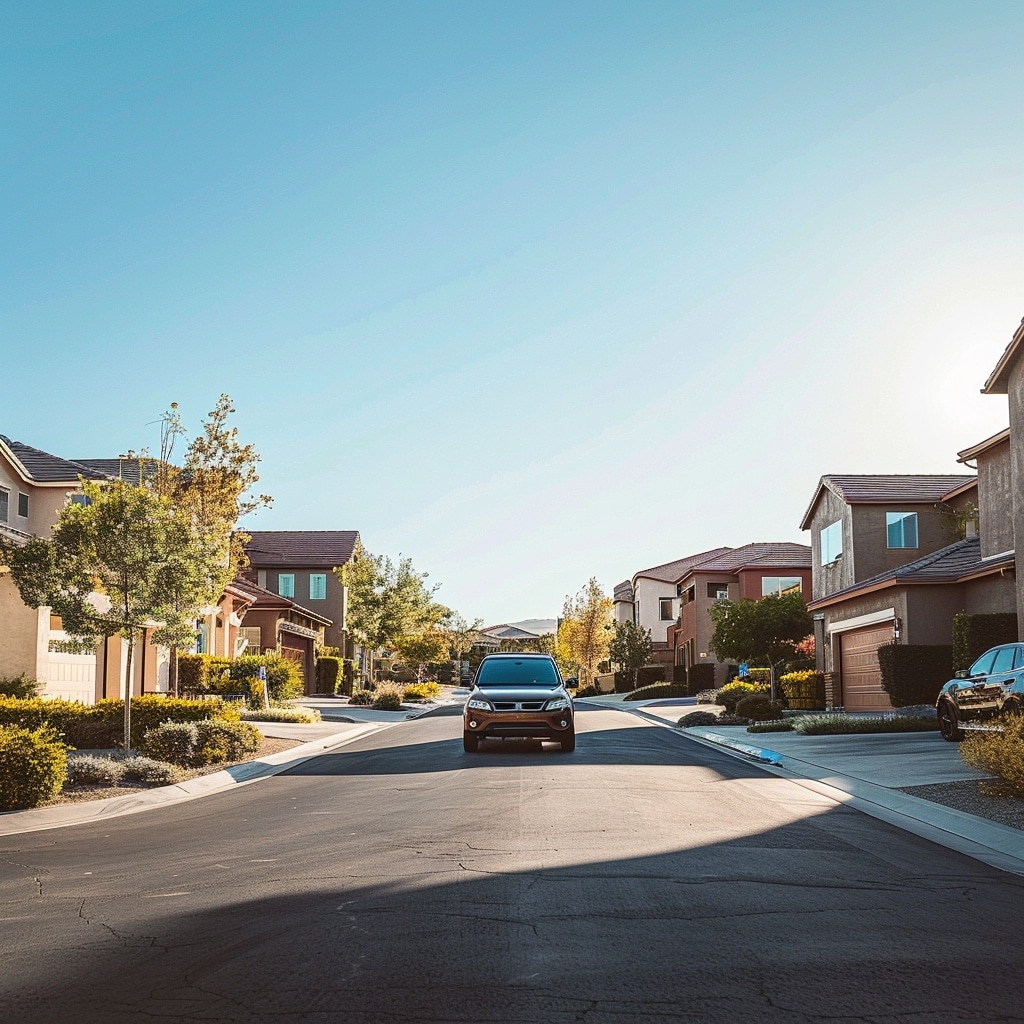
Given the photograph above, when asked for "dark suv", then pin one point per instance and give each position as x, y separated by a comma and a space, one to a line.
993, 685
518, 695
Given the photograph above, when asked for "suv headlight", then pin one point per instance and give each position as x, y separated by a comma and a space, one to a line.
479, 705
558, 704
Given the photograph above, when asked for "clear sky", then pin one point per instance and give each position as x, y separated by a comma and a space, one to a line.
526, 291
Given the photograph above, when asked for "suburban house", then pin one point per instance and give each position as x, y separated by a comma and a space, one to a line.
1008, 379
895, 558
622, 602
34, 487
749, 572
300, 564
655, 602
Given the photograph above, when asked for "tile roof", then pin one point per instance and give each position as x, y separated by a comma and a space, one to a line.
43, 467
312, 548
672, 571
952, 564
880, 489
766, 554
260, 597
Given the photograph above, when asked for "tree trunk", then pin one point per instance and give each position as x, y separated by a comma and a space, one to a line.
128, 694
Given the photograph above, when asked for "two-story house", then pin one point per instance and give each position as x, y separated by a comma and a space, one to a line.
749, 572
895, 558
299, 565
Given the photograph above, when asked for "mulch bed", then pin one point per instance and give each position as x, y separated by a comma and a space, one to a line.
986, 798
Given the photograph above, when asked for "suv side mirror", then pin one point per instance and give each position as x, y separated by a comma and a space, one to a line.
571, 683
961, 673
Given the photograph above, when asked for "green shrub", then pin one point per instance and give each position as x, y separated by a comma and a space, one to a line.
973, 635
421, 691
914, 673
779, 726
329, 673
804, 689
202, 673
388, 696
220, 740
301, 716
999, 753
174, 742
707, 696
760, 675
33, 767
656, 690
284, 680
150, 772
19, 686
700, 676
93, 770
698, 718
841, 724
361, 697
732, 693
759, 707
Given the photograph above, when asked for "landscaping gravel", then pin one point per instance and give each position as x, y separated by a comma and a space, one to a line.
982, 797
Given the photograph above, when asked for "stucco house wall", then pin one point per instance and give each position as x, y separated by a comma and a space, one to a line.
873, 554
838, 575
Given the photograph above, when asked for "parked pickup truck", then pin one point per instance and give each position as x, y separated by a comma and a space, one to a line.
992, 686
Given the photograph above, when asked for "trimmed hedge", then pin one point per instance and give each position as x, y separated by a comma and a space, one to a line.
656, 690
33, 767
202, 673
700, 676
759, 707
804, 690
973, 635
697, 718
914, 673
329, 674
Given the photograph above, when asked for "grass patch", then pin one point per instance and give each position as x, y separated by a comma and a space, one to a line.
847, 725
783, 725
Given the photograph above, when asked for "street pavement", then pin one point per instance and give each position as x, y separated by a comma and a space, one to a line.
646, 877
863, 772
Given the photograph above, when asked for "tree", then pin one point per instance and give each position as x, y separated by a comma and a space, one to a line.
212, 490
770, 629
388, 601
631, 647
420, 649
585, 630
460, 633
123, 561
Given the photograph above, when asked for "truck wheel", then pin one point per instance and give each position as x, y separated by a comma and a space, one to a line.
949, 725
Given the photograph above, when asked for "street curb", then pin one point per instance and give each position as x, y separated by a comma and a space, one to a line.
999, 846
39, 818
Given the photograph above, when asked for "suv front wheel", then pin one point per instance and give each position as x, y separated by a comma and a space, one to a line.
569, 743
949, 724
470, 741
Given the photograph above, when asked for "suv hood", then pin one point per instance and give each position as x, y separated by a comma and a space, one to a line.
519, 693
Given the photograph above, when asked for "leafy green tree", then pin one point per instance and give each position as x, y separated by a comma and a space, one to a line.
460, 633
388, 601
585, 630
124, 561
631, 647
770, 628
420, 649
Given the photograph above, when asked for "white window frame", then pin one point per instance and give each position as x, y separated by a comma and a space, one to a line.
830, 550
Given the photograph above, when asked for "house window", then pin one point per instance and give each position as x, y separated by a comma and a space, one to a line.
780, 585
718, 591
22, 505
666, 609
318, 586
901, 529
832, 542
249, 639
203, 639
80, 499
5, 499
286, 584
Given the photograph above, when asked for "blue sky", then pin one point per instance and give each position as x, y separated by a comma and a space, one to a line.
526, 291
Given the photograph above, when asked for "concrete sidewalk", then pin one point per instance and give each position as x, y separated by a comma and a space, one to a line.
865, 772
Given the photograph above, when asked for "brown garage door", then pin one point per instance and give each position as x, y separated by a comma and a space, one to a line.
859, 672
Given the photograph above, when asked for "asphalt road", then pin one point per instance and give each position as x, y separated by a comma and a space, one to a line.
642, 878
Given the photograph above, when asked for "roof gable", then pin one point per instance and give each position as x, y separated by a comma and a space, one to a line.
672, 571
999, 379
44, 468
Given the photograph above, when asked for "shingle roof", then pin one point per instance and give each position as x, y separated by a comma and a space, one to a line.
766, 554
881, 489
46, 468
671, 571
312, 548
951, 564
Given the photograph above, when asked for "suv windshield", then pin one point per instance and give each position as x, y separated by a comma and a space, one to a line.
518, 672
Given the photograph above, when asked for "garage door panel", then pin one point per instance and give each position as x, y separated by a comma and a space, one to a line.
860, 673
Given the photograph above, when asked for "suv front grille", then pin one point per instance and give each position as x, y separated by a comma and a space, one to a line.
507, 705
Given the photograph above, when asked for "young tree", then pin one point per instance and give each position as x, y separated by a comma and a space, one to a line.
585, 630
460, 633
770, 628
420, 649
124, 561
388, 601
630, 647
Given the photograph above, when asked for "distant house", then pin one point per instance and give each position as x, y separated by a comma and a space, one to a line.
746, 573
622, 602
299, 565
889, 563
